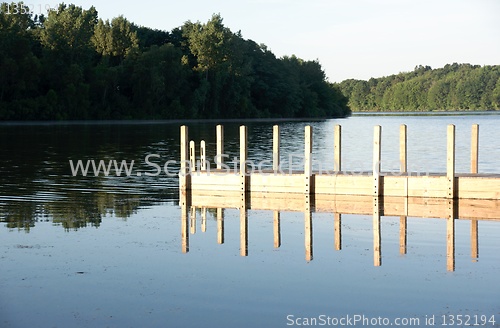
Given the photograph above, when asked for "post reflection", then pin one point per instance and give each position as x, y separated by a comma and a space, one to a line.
184, 230
220, 226
308, 235
192, 221
401, 209
377, 247
337, 230
185, 201
204, 219
277, 229
450, 236
474, 240
402, 234
243, 231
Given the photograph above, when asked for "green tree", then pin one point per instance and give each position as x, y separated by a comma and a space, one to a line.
70, 65
116, 39
68, 32
19, 67
453, 87
160, 83
438, 95
495, 99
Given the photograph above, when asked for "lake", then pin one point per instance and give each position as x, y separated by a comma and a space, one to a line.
97, 251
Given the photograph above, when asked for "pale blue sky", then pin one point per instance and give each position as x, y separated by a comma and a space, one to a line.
351, 38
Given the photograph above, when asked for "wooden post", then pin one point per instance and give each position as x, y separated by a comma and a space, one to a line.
337, 227
308, 154
203, 158
243, 189
220, 145
337, 148
192, 155
243, 158
277, 229
450, 161
184, 186
220, 226
307, 159
376, 159
308, 237
183, 174
377, 247
203, 219
193, 220
243, 149
474, 154
276, 148
403, 157
243, 206
450, 236
307, 190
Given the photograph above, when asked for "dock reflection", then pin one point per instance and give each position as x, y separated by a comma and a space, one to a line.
402, 207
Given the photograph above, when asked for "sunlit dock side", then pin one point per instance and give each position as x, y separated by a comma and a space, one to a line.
418, 207
466, 196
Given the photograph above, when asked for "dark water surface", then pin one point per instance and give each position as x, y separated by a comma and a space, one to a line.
106, 251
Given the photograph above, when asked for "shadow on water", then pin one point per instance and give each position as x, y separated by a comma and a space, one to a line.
37, 181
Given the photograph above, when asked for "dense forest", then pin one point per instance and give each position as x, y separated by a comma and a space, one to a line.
69, 64
453, 87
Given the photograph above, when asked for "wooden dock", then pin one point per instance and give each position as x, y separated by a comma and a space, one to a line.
196, 175
448, 195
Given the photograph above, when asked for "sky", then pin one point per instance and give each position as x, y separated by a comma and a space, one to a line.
356, 39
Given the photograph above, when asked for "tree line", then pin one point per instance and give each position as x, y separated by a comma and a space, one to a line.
69, 64
453, 87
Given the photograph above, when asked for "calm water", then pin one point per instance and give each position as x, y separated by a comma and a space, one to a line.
106, 251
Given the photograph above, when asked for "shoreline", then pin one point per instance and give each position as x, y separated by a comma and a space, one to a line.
428, 113
235, 120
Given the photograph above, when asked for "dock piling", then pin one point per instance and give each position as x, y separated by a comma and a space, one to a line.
220, 146
474, 154
276, 148
403, 150
183, 176
203, 158
376, 159
337, 148
403, 194
192, 155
